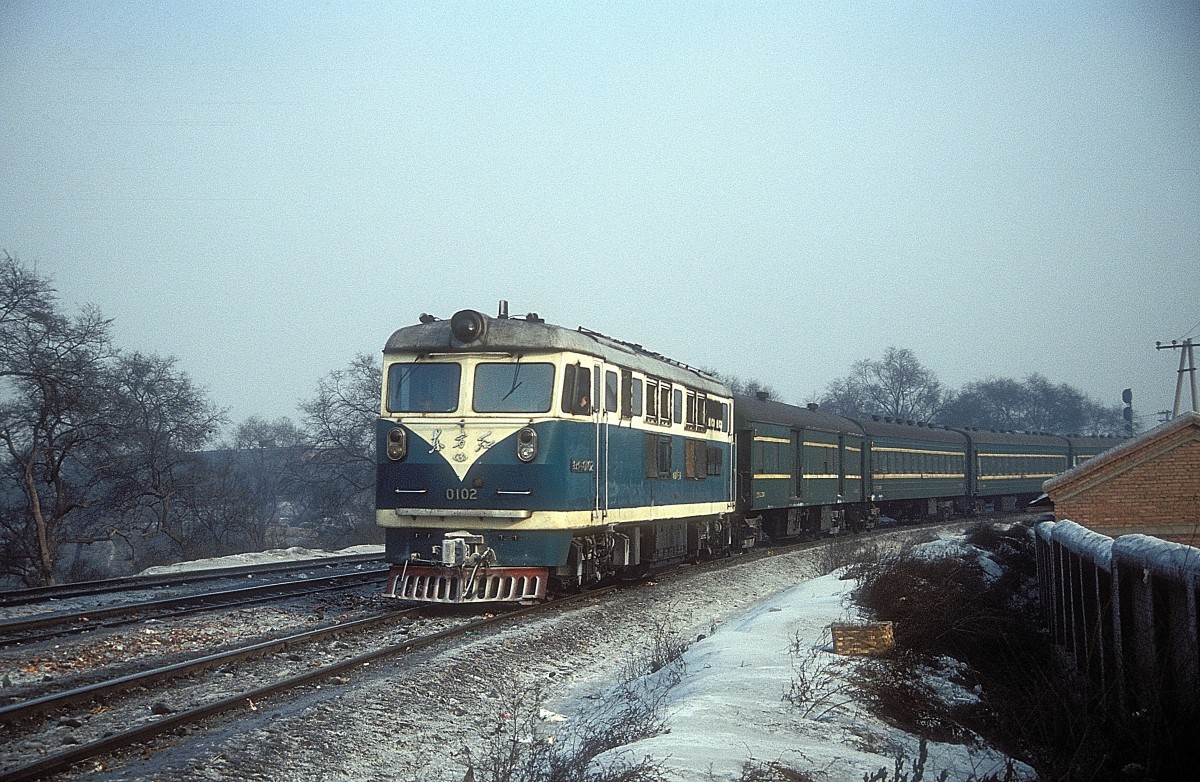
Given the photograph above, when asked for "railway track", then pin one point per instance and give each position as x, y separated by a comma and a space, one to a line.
43, 626
19, 597
56, 708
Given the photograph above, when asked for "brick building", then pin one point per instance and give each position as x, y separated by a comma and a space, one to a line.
1148, 485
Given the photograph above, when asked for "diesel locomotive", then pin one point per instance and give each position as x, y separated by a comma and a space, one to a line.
518, 458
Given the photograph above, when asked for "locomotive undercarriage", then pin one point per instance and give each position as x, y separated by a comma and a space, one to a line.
635, 550
469, 572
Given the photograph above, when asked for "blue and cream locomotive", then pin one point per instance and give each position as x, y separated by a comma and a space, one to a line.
516, 456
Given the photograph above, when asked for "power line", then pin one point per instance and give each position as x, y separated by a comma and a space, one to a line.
1187, 366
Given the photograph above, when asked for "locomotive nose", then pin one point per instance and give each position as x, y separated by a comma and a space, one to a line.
468, 326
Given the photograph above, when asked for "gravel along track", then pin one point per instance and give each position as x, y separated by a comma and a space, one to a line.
411, 717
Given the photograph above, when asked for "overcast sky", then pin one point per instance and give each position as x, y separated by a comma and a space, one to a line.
773, 190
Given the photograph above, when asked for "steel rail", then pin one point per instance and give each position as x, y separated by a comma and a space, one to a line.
109, 744
84, 588
200, 601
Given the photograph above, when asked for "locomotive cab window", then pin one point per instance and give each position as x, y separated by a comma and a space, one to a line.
513, 388
423, 388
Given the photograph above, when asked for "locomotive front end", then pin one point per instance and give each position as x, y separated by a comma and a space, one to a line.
466, 431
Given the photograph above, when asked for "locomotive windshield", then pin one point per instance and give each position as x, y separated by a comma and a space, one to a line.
423, 388
513, 388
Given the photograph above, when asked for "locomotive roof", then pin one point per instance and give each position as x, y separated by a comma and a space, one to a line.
528, 334
769, 411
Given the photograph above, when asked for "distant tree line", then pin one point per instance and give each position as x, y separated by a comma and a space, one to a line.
898, 386
112, 461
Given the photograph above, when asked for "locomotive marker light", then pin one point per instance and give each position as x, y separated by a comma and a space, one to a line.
397, 444
527, 445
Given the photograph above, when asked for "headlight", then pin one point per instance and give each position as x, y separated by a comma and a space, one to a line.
397, 444
526, 444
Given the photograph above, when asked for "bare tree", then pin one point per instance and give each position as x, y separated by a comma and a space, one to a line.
94, 442
159, 422
53, 415
1034, 404
339, 428
897, 385
750, 387
261, 469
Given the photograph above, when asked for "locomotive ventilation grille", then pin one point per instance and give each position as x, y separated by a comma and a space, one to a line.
433, 585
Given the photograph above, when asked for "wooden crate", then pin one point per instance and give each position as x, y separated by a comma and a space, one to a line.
861, 637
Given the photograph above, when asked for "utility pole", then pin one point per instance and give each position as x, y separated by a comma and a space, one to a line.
1187, 363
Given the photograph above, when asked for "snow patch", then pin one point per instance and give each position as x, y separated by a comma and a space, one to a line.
731, 705
259, 558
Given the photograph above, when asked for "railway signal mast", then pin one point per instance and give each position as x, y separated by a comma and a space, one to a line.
1187, 364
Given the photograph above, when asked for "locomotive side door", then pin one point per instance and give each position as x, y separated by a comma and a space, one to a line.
604, 386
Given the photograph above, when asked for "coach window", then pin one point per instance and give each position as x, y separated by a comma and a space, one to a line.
635, 396
626, 390
677, 410
576, 392
610, 391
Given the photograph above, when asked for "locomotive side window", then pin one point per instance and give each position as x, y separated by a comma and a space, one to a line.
658, 456
712, 414
626, 392
651, 400
513, 388
423, 388
635, 397
713, 460
697, 411
576, 394
664, 457
695, 459
610, 391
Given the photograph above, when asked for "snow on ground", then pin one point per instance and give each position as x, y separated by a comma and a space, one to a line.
955, 547
731, 705
259, 558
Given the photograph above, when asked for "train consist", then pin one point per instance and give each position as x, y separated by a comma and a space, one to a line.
517, 458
